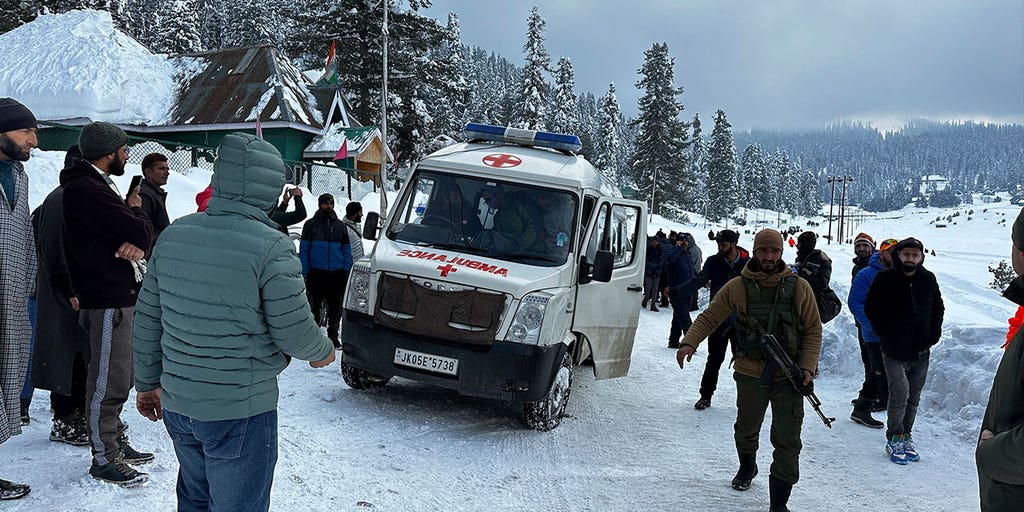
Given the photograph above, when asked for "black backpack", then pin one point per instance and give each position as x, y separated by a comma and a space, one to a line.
829, 305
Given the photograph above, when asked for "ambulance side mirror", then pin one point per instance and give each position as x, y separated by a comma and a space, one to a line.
371, 225
604, 261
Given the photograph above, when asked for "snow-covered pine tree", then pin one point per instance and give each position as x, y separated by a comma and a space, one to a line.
179, 32
754, 183
721, 168
450, 98
251, 22
693, 184
779, 170
589, 116
606, 157
532, 112
660, 155
811, 194
565, 109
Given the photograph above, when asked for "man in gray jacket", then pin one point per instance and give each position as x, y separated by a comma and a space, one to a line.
221, 312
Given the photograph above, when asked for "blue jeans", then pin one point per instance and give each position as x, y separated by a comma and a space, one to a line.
681, 320
225, 465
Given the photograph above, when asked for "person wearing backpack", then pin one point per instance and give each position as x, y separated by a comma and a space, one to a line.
767, 298
816, 267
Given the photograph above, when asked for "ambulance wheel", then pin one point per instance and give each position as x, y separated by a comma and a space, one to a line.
547, 413
361, 379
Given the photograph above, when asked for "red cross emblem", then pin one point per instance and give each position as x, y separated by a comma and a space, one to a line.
502, 160
445, 269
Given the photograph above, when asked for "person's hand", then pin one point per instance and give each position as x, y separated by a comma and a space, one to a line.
296, 192
985, 436
323, 362
74, 303
808, 377
148, 404
684, 354
129, 252
134, 201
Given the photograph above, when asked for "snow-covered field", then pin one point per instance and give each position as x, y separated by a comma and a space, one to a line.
634, 443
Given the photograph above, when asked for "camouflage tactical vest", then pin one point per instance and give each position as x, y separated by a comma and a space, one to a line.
769, 310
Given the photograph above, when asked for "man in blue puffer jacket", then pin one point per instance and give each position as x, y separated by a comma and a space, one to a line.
326, 261
875, 391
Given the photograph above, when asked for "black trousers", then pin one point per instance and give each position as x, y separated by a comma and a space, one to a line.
718, 343
327, 286
65, 406
876, 385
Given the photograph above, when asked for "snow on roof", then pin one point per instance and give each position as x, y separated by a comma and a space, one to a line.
359, 139
934, 177
76, 64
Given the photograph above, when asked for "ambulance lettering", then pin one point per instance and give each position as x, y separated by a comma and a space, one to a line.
453, 262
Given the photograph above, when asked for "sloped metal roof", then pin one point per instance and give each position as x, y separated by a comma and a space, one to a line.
238, 85
358, 138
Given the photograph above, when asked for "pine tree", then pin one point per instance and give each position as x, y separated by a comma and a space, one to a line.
721, 168
250, 23
534, 97
779, 171
179, 33
606, 157
450, 98
660, 155
693, 186
565, 111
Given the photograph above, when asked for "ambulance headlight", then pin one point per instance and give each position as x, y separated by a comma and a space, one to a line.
357, 298
528, 320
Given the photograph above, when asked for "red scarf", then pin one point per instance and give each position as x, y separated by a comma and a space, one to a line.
1015, 323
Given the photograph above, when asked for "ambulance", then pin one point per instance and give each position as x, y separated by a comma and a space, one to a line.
507, 262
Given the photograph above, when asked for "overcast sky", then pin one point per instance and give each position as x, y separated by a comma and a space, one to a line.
783, 63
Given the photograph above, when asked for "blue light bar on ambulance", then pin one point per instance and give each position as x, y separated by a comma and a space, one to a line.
509, 135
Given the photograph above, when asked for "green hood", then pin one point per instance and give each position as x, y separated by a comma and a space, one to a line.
248, 170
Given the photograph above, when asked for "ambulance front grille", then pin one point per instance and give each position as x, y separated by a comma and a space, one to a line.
469, 316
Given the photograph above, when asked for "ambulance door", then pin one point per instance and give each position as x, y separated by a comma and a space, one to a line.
607, 313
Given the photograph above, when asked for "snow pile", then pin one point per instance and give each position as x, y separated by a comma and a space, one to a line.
78, 65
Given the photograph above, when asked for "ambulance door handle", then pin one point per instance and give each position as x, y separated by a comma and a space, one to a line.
635, 288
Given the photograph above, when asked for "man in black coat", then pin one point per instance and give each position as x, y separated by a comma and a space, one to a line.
905, 309
718, 269
154, 198
816, 267
61, 352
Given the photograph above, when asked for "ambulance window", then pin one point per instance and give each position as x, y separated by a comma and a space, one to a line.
588, 208
625, 226
598, 240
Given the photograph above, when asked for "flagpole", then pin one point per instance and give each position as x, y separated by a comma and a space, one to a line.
384, 116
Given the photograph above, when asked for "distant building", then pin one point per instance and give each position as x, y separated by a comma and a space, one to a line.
931, 184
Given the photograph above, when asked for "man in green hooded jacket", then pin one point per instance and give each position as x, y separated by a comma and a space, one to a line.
222, 309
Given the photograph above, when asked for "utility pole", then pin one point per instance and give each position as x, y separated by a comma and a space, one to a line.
831, 204
384, 115
842, 208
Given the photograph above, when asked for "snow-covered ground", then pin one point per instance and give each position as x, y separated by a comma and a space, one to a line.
634, 443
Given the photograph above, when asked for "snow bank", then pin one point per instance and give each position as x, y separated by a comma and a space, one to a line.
78, 65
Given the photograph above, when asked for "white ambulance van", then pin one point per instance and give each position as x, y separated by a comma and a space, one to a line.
506, 262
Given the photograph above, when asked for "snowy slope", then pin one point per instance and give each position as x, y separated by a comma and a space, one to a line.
78, 65
634, 443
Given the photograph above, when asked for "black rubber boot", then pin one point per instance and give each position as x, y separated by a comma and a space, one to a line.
862, 414
746, 473
778, 494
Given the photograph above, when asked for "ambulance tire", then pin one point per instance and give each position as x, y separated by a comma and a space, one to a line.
361, 379
547, 414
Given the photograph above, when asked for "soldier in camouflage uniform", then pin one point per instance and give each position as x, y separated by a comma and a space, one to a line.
768, 299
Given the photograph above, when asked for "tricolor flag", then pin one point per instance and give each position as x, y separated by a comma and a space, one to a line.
342, 151
259, 129
330, 70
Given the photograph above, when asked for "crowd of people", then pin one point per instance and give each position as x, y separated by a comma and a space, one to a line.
898, 309
99, 295
111, 286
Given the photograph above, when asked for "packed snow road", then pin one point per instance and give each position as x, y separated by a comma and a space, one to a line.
634, 443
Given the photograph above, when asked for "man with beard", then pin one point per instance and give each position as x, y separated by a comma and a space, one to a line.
905, 309
718, 270
17, 270
767, 299
326, 260
105, 242
155, 172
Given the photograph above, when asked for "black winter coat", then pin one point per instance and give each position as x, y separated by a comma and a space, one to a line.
816, 268
154, 203
858, 265
58, 333
905, 311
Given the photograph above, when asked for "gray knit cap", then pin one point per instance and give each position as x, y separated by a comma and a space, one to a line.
99, 139
1018, 231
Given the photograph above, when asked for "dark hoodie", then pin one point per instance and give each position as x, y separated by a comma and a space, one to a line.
905, 311
96, 223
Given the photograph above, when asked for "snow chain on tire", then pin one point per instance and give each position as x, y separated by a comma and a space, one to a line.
547, 414
361, 379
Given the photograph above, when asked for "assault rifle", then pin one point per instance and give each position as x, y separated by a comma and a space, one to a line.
794, 373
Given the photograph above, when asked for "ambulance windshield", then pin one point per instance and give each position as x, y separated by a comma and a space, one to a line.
500, 220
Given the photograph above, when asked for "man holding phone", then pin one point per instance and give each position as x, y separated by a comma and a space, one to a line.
106, 238
155, 172
285, 218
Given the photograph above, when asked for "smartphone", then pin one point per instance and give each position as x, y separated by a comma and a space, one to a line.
136, 180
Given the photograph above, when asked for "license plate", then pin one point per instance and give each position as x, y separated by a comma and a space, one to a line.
428, 362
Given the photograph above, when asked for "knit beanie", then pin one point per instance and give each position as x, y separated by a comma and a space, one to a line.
1018, 231
324, 198
15, 116
100, 139
768, 238
866, 238
807, 239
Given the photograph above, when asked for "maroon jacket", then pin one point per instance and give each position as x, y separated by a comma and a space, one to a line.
96, 223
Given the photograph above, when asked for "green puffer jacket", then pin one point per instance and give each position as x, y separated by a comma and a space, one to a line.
223, 303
